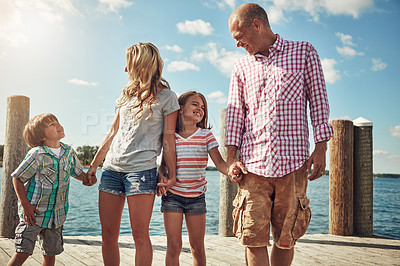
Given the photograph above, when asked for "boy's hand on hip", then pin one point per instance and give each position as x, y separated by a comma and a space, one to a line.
29, 213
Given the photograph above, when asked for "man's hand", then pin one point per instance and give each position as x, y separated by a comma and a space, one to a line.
318, 160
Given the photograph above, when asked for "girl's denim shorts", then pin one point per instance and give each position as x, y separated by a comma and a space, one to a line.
186, 205
128, 184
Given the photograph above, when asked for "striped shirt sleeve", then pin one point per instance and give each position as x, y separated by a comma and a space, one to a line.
27, 168
76, 167
211, 141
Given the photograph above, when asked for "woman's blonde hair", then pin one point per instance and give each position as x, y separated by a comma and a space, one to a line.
34, 134
183, 100
144, 66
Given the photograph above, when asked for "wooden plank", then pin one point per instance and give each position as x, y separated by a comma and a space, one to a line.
310, 250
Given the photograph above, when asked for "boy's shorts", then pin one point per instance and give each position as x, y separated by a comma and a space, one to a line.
50, 240
281, 201
186, 205
128, 184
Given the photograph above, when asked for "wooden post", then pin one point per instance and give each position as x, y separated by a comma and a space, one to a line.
363, 178
341, 179
228, 189
14, 152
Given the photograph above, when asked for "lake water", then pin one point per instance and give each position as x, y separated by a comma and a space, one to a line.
83, 216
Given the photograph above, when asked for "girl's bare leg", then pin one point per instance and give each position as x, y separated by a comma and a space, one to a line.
140, 210
110, 210
196, 226
173, 229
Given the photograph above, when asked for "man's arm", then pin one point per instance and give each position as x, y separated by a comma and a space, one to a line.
319, 113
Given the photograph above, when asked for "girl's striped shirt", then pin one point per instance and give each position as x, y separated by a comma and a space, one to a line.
192, 158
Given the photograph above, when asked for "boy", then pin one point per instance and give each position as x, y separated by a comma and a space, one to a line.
41, 182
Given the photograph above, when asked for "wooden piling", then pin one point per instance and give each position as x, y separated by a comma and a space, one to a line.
363, 178
15, 150
228, 189
341, 178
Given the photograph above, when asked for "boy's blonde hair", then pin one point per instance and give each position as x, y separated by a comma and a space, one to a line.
34, 134
183, 100
144, 66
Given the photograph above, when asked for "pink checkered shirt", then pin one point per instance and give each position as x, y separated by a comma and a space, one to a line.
267, 107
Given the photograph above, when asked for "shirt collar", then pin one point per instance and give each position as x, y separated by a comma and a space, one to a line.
277, 45
45, 149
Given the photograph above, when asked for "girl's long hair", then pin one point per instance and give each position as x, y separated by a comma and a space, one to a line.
183, 100
144, 66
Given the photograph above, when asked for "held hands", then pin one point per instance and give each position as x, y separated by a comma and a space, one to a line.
89, 178
29, 211
164, 183
236, 171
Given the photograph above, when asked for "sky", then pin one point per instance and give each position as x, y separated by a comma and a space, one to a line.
68, 57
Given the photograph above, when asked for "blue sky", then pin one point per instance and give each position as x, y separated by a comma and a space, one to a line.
68, 56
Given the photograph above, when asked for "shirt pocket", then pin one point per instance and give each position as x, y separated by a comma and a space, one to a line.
48, 176
291, 86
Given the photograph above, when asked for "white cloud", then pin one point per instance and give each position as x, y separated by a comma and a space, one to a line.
82, 82
195, 27
218, 97
278, 9
347, 51
113, 5
174, 48
331, 74
10, 25
395, 131
385, 154
345, 39
14, 15
380, 152
377, 64
222, 59
230, 3
179, 66
347, 7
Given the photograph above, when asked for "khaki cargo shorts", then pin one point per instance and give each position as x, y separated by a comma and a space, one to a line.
279, 201
50, 240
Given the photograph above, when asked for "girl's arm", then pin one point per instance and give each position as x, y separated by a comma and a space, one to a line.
169, 148
219, 162
104, 146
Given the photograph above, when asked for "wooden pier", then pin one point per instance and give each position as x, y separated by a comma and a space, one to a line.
318, 249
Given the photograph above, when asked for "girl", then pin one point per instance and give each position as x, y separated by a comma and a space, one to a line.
194, 141
145, 120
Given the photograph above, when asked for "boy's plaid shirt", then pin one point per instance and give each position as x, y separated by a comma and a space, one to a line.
267, 107
46, 179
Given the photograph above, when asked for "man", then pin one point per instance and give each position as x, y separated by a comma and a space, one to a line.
267, 121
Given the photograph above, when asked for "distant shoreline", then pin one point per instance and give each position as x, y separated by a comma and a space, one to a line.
213, 168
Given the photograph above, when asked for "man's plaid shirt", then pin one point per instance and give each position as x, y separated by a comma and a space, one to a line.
267, 107
46, 180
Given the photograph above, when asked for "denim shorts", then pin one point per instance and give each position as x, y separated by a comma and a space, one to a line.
128, 184
50, 240
186, 205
